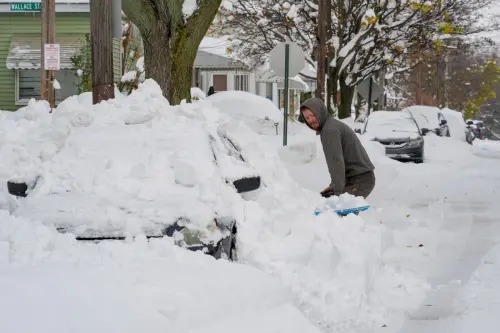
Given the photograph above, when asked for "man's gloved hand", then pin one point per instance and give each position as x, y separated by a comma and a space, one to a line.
327, 192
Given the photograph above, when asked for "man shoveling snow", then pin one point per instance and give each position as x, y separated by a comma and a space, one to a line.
350, 168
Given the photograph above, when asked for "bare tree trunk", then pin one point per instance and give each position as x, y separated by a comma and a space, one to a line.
322, 10
346, 96
331, 83
170, 68
102, 51
170, 41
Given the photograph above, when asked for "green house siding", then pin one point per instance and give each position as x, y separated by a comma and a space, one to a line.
29, 23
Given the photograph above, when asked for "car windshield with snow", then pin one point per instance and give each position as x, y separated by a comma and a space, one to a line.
398, 132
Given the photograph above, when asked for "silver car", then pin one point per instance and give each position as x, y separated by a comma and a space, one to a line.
398, 132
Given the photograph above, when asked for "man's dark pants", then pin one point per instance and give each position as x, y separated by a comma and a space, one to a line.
361, 185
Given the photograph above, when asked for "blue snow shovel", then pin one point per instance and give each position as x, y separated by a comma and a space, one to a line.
346, 211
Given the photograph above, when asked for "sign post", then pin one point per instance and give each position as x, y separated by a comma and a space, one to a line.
294, 63
285, 113
370, 91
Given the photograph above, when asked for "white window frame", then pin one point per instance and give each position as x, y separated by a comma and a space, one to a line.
246, 82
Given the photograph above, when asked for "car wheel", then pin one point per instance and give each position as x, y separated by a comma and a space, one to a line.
419, 161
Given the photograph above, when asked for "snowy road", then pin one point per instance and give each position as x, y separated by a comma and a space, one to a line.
452, 207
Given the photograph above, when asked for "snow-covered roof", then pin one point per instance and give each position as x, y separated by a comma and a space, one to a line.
210, 60
25, 51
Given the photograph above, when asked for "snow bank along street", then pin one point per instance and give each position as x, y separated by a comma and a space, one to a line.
129, 166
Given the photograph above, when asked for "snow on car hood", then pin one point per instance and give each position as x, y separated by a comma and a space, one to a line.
392, 135
132, 164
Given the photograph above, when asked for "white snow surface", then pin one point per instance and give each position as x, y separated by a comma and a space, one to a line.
486, 148
296, 273
257, 112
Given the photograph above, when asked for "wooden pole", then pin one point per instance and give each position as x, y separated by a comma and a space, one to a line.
322, 19
51, 29
102, 50
44, 34
48, 36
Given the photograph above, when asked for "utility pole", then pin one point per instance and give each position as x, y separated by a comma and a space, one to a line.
102, 50
48, 23
322, 49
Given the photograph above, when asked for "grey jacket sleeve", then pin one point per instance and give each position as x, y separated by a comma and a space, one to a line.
331, 140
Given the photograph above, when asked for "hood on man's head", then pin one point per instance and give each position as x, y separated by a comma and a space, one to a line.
317, 106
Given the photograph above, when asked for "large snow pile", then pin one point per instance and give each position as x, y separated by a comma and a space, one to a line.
256, 111
123, 167
137, 160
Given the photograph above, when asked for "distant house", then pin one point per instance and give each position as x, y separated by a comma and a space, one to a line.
20, 45
213, 68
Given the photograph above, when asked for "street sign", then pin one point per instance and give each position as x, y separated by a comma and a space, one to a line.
376, 89
286, 59
25, 6
52, 56
297, 60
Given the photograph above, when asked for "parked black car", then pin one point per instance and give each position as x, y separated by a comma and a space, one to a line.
398, 132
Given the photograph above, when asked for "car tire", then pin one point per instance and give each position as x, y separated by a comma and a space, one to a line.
420, 161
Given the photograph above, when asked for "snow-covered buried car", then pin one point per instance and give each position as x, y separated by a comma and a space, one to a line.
113, 170
430, 118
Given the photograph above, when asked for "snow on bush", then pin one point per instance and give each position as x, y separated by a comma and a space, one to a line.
136, 160
130, 80
197, 93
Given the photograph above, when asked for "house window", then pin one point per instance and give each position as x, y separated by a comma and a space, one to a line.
28, 85
241, 82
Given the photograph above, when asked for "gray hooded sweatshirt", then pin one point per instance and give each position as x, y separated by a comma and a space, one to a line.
345, 155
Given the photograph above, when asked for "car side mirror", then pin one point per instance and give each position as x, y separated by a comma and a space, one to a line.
424, 131
444, 122
357, 130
